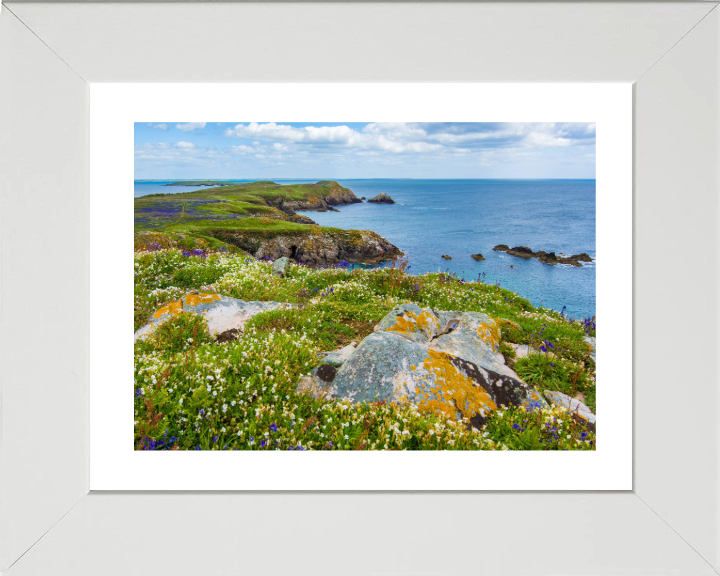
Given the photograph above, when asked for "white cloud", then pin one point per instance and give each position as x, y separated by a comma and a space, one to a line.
273, 131
185, 145
419, 138
160, 126
242, 149
325, 137
190, 126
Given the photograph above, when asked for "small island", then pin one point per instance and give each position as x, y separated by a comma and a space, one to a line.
382, 198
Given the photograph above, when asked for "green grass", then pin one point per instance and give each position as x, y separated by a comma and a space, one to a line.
191, 391
548, 372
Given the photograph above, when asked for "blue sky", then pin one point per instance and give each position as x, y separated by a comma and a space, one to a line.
321, 150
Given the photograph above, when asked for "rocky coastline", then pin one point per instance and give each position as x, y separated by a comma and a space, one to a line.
336, 196
316, 247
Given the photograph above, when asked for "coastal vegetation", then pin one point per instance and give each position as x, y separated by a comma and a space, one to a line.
239, 389
260, 218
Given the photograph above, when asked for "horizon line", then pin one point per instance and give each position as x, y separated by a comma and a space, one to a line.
341, 178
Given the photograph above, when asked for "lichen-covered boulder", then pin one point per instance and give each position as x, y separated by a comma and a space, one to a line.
220, 312
281, 265
444, 362
579, 410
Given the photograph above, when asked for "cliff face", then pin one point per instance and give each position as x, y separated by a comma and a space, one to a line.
339, 196
336, 196
315, 247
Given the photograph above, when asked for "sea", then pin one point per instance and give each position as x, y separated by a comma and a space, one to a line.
432, 218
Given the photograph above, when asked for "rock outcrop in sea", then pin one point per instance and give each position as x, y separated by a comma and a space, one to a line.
547, 257
478, 257
446, 362
382, 198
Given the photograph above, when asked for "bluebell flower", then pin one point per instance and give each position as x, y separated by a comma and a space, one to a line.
262, 444
273, 427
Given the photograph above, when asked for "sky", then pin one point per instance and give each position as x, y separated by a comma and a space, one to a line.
321, 150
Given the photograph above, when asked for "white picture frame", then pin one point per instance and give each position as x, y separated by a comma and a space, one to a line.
668, 523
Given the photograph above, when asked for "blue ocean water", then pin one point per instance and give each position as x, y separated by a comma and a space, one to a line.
464, 217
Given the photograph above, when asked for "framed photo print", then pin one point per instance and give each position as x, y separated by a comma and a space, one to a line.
419, 268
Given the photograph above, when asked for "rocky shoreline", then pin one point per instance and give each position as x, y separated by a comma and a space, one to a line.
337, 196
547, 257
315, 247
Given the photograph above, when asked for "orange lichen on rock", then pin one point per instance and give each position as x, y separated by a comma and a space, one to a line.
410, 323
172, 308
454, 391
489, 332
195, 299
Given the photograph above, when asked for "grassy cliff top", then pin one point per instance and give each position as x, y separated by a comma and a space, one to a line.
251, 192
227, 206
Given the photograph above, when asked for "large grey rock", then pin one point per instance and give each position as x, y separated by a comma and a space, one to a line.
441, 361
220, 312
